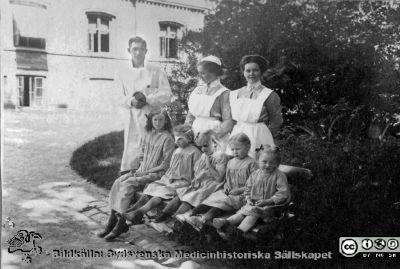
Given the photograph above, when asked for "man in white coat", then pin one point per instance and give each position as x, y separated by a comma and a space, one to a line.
144, 88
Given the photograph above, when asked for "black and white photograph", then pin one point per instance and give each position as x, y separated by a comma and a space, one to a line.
191, 134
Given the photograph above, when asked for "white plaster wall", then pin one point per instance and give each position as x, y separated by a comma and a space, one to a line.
148, 23
70, 65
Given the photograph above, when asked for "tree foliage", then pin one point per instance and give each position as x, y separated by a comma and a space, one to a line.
321, 53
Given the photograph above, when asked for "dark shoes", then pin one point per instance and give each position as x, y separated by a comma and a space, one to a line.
235, 234
112, 221
120, 228
135, 217
162, 217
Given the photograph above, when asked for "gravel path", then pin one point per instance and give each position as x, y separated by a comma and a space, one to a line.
42, 194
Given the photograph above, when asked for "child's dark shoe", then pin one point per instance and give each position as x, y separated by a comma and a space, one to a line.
234, 233
162, 217
134, 217
112, 221
120, 228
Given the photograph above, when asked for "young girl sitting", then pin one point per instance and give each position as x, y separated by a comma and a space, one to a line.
230, 198
209, 174
266, 190
156, 150
179, 174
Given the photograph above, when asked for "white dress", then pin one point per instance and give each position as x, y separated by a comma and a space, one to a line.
152, 81
200, 106
246, 112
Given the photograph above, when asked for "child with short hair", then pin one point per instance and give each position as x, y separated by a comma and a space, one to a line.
266, 190
179, 174
231, 197
209, 174
156, 151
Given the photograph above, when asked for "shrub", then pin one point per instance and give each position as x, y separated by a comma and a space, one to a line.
99, 160
321, 52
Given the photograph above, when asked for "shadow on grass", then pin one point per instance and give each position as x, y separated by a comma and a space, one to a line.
99, 160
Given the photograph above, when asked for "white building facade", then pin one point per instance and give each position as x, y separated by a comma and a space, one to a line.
65, 53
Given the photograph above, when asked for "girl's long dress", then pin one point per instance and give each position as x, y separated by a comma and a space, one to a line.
237, 173
179, 174
157, 148
263, 186
204, 183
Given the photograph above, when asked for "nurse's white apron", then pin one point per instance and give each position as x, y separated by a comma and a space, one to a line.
246, 113
200, 106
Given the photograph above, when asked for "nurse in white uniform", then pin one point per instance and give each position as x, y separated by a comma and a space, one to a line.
209, 106
255, 108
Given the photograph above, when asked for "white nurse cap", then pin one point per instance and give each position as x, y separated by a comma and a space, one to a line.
213, 59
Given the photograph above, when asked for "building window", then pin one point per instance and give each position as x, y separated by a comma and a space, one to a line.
99, 32
29, 42
29, 31
169, 32
30, 90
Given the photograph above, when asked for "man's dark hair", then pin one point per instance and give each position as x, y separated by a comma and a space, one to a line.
137, 39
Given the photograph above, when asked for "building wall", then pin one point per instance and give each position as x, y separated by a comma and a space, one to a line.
75, 77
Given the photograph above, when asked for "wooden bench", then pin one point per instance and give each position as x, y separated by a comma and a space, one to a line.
294, 174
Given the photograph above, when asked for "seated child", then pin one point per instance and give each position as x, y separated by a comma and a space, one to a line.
266, 190
156, 151
179, 174
209, 174
230, 198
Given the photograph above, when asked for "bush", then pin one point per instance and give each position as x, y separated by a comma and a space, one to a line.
355, 184
321, 52
354, 191
99, 160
